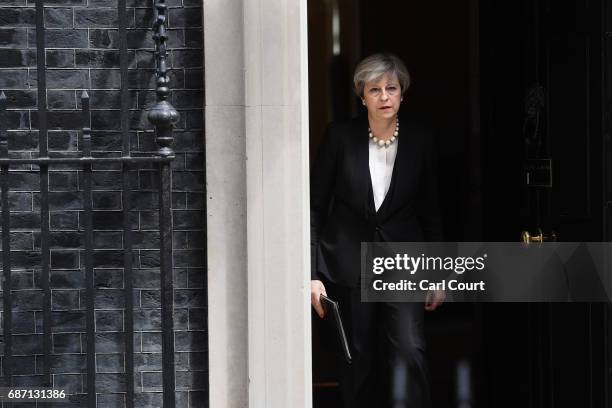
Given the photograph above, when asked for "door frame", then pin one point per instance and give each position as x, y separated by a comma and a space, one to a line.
257, 197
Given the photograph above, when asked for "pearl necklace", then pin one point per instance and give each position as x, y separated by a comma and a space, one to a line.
388, 142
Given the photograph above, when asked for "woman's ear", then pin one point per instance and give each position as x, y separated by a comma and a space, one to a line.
363, 102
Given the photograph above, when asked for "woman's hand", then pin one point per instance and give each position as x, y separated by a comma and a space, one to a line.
316, 290
434, 299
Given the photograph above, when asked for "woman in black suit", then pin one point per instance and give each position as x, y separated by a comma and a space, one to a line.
374, 180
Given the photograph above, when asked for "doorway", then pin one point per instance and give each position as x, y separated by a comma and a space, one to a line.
504, 85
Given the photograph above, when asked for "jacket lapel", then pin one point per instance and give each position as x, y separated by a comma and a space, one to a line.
404, 160
364, 179
384, 206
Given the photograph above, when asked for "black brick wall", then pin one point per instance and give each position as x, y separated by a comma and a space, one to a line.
82, 53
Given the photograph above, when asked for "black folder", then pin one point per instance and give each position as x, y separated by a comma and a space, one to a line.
332, 311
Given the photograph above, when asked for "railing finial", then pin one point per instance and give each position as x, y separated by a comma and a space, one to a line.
86, 122
3, 136
2, 102
162, 115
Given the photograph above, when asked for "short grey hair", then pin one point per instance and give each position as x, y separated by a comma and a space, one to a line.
375, 66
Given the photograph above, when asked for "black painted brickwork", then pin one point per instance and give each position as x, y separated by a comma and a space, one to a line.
83, 54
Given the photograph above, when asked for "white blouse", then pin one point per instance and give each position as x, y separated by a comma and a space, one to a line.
381, 161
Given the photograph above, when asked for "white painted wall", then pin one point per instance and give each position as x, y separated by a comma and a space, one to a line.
257, 196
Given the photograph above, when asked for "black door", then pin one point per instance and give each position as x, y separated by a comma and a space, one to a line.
543, 141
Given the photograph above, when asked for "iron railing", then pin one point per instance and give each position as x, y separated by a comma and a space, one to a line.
163, 116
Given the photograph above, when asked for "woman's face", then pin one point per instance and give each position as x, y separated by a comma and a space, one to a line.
382, 97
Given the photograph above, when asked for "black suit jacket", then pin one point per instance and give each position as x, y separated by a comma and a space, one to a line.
342, 211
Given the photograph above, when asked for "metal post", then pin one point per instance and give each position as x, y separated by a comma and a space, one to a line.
90, 320
41, 72
6, 251
163, 116
128, 283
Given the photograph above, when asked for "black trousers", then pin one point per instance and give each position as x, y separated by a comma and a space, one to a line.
388, 346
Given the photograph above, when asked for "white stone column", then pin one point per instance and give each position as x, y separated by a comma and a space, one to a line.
226, 203
257, 196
